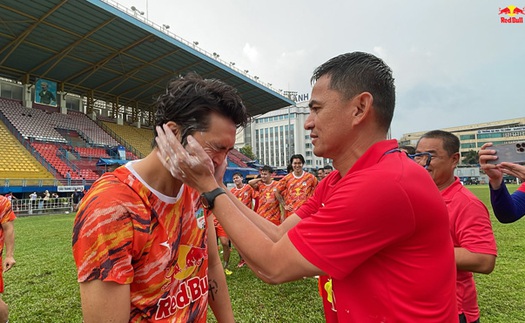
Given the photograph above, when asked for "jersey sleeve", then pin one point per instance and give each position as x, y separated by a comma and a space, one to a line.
508, 208
281, 185
104, 234
6, 211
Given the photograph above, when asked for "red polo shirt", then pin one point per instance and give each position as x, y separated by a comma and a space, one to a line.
383, 239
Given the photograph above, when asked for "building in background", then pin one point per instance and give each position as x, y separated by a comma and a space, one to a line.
278, 134
473, 136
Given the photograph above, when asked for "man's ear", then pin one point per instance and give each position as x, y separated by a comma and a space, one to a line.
362, 106
455, 159
175, 128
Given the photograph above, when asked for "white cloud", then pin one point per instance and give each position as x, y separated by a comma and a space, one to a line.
250, 52
453, 61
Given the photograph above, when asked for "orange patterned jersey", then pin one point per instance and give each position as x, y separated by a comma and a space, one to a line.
296, 190
6, 215
128, 234
268, 206
246, 194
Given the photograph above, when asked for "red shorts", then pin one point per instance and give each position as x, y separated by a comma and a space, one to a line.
220, 231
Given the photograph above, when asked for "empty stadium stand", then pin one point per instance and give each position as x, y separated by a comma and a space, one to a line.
16, 161
25, 121
50, 152
63, 142
69, 142
139, 138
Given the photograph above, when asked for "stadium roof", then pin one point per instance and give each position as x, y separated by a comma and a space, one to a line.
86, 45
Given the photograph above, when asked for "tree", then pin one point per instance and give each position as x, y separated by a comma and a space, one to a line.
248, 152
470, 158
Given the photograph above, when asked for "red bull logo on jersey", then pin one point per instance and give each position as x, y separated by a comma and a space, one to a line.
189, 291
189, 260
511, 15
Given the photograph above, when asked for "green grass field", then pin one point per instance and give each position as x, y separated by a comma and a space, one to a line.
42, 286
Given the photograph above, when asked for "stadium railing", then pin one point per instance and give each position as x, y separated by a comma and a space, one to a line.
39, 206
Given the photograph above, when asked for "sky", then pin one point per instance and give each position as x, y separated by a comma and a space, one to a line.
454, 62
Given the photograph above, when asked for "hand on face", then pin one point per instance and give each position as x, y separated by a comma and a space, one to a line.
191, 165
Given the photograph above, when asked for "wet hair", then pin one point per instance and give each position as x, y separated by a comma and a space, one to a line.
297, 156
190, 100
450, 141
354, 73
267, 168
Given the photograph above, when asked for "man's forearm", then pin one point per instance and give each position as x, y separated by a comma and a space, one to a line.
503, 205
218, 296
280, 198
9, 238
474, 262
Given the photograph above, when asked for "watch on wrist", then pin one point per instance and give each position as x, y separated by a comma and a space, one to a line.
208, 198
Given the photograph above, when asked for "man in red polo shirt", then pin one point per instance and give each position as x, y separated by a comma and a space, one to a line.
383, 240
470, 226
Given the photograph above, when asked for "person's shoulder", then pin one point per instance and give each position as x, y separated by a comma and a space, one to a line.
310, 176
465, 196
113, 189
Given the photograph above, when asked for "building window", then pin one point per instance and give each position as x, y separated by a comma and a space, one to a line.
467, 137
490, 135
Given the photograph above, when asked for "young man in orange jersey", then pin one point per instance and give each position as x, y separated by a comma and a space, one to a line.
296, 187
266, 189
144, 249
246, 195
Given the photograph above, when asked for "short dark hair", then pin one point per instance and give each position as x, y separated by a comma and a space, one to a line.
409, 149
450, 141
358, 72
267, 168
190, 100
328, 167
237, 174
297, 156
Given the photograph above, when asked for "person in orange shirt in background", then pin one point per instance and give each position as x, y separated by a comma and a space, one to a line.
266, 193
246, 194
7, 236
296, 187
